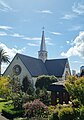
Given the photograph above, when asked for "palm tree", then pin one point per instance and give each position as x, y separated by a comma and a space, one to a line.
3, 58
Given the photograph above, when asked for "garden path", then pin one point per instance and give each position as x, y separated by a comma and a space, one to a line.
2, 117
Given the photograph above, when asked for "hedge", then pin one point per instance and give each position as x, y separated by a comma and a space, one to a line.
11, 113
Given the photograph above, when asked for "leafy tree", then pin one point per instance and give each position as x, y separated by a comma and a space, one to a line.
44, 81
4, 87
75, 87
3, 58
16, 94
27, 86
43, 95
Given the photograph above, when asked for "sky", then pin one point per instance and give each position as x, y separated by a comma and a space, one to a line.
21, 23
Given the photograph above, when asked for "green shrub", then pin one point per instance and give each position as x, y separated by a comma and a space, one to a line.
76, 113
76, 103
44, 81
66, 114
82, 113
35, 108
10, 112
54, 116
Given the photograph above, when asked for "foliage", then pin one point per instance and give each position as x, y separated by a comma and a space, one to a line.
75, 87
75, 103
44, 81
66, 114
2, 103
4, 87
3, 58
35, 108
10, 112
54, 116
43, 95
16, 94
63, 112
27, 86
51, 109
82, 113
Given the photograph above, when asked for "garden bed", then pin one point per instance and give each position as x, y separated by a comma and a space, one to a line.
10, 113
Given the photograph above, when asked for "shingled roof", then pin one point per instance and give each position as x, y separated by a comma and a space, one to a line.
36, 66
56, 66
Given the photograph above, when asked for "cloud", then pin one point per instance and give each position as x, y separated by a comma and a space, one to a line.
4, 7
56, 33
67, 42
44, 11
39, 42
34, 38
78, 8
17, 35
5, 27
75, 28
49, 43
11, 53
77, 62
32, 44
3, 34
68, 16
78, 47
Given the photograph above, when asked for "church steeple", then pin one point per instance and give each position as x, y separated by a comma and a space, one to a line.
43, 45
42, 54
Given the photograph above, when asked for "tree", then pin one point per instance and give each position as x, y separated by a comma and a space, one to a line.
27, 86
16, 94
43, 95
4, 87
3, 58
44, 81
75, 87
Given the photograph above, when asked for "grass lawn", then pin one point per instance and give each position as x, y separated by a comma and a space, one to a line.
3, 103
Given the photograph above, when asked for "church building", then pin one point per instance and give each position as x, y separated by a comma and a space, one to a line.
23, 65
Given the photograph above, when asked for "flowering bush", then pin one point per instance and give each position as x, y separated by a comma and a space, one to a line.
35, 108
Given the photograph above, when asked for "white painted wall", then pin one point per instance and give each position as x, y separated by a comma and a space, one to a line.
24, 71
67, 69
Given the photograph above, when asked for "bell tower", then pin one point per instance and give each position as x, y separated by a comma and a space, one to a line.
42, 54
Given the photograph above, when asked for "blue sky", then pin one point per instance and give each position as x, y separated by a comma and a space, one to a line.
21, 23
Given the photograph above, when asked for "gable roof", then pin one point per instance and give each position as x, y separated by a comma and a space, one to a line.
51, 67
35, 66
56, 66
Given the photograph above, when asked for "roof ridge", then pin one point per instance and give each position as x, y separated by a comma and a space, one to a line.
57, 59
26, 56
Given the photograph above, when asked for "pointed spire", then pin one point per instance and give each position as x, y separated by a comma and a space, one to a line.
43, 45
42, 54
